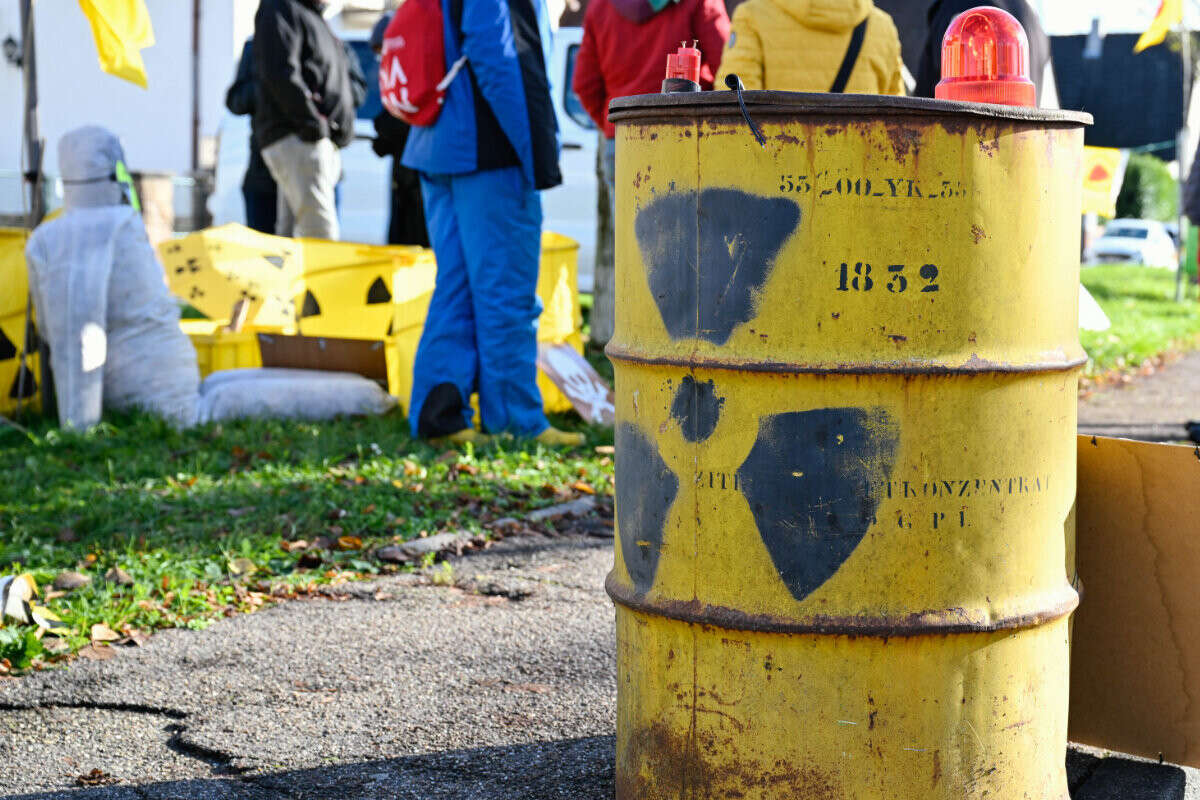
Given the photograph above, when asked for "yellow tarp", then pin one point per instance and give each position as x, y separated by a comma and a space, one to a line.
122, 29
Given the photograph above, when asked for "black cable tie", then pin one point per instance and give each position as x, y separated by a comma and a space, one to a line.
735, 83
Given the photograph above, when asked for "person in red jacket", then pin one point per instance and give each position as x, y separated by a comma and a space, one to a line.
624, 51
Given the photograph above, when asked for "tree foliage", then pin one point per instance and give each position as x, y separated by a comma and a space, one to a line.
1149, 191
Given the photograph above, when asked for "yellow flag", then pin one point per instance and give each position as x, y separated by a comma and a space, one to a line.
1103, 172
1170, 12
122, 30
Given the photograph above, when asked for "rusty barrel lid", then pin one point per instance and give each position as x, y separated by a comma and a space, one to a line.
773, 103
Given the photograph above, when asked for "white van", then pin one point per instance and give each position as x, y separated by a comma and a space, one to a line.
570, 209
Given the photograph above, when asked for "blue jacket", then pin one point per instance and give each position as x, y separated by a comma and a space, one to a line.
498, 111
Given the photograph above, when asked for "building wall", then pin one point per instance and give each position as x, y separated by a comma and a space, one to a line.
154, 124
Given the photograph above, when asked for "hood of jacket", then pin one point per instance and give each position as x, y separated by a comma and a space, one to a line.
834, 16
640, 11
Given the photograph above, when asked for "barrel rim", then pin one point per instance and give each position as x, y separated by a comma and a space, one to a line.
921, 623
775, 103
975, 366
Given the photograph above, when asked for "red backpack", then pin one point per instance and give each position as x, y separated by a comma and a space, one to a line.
412, 67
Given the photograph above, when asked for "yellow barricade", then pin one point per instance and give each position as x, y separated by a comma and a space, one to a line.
16, 390
340, 290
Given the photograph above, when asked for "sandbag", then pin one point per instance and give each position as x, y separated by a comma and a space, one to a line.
289, 394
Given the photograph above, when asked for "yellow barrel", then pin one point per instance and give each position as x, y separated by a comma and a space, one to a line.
846, 370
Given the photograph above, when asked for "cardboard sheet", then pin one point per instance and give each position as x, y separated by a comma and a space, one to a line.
1135, 660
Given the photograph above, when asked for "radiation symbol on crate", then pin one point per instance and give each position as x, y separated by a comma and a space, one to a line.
22, 384
218, 268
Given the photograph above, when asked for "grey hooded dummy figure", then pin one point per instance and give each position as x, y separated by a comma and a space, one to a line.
102, 299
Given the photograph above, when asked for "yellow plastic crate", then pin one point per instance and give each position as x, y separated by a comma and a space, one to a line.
562, 319
13, 335
218, 349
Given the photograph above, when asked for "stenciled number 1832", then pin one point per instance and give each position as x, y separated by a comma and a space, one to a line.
862, 277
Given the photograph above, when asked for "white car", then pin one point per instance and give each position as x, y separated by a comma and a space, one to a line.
1138, 241
570, 209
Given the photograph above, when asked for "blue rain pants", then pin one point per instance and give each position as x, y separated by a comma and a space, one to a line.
481, 330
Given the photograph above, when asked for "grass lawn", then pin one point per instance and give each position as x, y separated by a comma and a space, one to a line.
203, 520
1146, 320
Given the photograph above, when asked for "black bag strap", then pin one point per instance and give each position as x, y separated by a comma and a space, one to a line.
856, 43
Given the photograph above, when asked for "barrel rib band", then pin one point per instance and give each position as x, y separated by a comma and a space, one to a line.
975, 367
926, 623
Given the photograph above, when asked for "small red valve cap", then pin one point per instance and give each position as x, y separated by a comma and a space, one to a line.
684, 64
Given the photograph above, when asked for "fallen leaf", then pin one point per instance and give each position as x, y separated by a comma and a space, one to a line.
70, 581
96, 777
118, 576
55, 645
134, 638
349, 543
103, 633
580, 486
242, 566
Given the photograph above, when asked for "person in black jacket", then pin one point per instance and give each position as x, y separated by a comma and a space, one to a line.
259, 192
942, 12
304, 111
406, 222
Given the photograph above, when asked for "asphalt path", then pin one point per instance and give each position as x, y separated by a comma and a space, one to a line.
402, 688
496, 684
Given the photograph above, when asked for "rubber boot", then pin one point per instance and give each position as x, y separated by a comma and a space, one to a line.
553, 437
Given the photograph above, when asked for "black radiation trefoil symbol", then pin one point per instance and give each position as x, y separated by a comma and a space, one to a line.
646, 489
814, 480
708, 254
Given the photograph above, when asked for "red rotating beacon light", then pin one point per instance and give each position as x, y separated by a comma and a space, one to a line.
985, 59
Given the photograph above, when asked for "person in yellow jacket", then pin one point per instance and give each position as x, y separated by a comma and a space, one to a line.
814, 46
